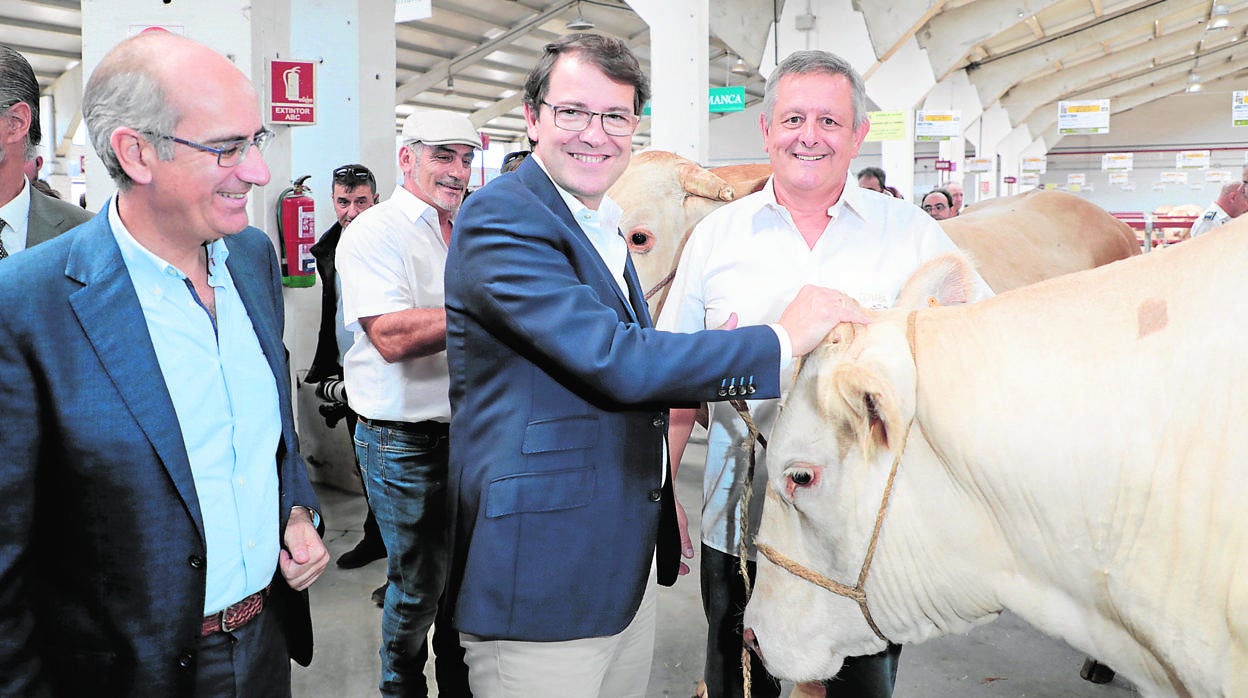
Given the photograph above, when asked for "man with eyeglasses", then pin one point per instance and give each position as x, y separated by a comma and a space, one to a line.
391, 266
27, 215
562, 507
1231, 203
353, 190
938, 204
160, 529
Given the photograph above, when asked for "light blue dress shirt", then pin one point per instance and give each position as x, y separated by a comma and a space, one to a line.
226, 401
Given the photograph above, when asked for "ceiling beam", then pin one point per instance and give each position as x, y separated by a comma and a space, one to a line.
438, 72
951, 35
1028, 96
891, 24
994, 76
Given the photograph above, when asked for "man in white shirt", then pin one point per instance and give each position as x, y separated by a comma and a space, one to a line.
27, 216
391, 268
1232, 202
810, 224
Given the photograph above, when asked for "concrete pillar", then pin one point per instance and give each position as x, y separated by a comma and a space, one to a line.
678, 43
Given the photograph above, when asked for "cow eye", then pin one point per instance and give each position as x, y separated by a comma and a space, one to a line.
640, 240
800, 476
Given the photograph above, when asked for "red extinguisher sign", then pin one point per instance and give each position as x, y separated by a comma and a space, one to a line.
296, 226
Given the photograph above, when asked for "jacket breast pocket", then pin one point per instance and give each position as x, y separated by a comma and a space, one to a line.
527, 493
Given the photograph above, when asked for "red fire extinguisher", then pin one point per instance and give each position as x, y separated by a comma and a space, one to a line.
296, 227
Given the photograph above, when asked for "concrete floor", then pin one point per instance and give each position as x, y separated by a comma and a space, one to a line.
1006, 658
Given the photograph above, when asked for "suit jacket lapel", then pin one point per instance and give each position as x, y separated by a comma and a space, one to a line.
108, 310
536, 180
43, 221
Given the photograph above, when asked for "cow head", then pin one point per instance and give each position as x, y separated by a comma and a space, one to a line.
663, 196
846, 419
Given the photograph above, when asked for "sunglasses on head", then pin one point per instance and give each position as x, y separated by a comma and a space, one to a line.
352, 173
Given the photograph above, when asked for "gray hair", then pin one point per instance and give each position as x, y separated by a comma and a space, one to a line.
813, 61
18, 84
124, 92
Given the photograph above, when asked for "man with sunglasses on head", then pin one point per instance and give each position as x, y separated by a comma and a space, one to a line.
354, 190
391, 266
160, 529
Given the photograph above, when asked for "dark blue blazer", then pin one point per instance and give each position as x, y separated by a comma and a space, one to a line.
102, 556
560, 388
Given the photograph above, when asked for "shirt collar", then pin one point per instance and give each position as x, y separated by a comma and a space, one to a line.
416, 209
143, 263
609, 213
17, 211
851, 199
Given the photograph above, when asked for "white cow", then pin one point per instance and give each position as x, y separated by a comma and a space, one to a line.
1075, 451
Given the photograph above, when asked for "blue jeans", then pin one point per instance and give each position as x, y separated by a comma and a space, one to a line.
404, 467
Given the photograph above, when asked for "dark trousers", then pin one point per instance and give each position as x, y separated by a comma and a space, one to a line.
250, 662
723, 601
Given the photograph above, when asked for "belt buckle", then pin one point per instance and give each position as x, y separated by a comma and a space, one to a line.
226, 626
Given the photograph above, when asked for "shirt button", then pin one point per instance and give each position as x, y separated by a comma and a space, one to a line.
251, 545
195, 561
656, 494
186, 660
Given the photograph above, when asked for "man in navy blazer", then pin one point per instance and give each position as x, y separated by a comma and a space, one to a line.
158, 521
560, 494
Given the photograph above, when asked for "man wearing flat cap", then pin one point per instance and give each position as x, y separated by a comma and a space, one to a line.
396, 377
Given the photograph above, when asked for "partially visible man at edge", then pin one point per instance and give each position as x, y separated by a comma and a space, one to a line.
560, 388
1231, 203
27, 215
159, 524
810, 224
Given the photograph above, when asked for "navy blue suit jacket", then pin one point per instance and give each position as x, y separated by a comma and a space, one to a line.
102, 557
559, 394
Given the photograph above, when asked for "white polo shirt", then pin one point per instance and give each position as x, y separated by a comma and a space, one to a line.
393, 258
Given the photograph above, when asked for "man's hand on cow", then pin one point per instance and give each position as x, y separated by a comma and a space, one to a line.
814, 312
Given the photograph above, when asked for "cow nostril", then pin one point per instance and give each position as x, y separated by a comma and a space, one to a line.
752, 642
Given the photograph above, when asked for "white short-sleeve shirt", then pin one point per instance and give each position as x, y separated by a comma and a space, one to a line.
393, 258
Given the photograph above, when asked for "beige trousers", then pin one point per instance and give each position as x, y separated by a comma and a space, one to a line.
616, 666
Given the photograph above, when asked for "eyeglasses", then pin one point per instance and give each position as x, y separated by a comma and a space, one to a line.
935, 207
353, 173
613, 124
229, 153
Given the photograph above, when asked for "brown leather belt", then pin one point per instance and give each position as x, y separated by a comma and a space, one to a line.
235, 615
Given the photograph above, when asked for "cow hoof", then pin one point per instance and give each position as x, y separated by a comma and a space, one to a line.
1096, 672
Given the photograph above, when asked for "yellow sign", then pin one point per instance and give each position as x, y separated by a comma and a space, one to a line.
887, 126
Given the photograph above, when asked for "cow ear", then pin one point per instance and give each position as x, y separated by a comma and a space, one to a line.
859, 394
699, 181
945, 280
